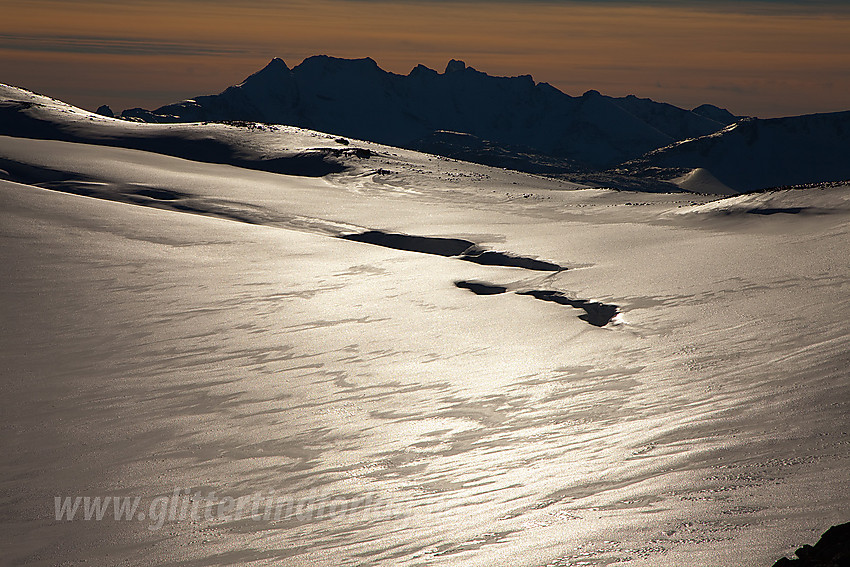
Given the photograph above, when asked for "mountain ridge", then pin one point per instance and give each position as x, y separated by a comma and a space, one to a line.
355, 97
756, 153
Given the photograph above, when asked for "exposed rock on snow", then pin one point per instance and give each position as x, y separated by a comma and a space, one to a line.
832, 550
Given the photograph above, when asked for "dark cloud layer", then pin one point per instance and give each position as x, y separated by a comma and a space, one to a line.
108, 45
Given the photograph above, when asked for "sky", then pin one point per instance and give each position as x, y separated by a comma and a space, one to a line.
761, 58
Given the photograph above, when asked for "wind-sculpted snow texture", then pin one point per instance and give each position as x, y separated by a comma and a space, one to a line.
412, 361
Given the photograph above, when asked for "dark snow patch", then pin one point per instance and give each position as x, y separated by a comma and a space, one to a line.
451, 247
779, 210
481, 288
492, 258
424, 244
595, 313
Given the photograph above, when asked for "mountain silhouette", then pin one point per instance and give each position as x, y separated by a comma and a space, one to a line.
505, 121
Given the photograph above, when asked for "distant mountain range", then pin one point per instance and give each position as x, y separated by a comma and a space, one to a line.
626, 143
464, 113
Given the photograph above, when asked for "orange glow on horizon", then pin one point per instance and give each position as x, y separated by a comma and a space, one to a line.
152, 53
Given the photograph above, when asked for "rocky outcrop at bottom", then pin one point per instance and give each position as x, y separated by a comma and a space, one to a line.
832, 550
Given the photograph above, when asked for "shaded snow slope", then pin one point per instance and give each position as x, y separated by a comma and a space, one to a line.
701, 180
280, 149
756, 154
355, 97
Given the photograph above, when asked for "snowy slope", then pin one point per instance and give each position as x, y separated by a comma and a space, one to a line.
356, 98
756, 154
416, 359
272, 148
266, 147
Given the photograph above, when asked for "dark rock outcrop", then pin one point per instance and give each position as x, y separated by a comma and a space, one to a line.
832, 550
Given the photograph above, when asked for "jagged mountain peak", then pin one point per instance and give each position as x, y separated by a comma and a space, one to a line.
422, 71
272, 71
358, 99
276, 65
454, 66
